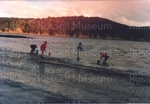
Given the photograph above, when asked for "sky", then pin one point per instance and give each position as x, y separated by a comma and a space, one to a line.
129, 12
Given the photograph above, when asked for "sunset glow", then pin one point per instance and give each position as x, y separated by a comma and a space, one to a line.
130, 12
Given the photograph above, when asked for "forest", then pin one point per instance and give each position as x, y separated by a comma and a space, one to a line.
75, 26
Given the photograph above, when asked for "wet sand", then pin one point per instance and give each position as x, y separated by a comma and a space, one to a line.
25, 79
18, 93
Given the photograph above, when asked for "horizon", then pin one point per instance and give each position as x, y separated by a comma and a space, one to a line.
136, 14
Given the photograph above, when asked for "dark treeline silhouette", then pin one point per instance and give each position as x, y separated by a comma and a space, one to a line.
92, 27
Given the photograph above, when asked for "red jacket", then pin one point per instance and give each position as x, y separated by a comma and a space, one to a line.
104, 54
43, 47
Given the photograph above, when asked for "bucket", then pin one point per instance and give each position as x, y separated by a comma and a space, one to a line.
98, 62
37, 52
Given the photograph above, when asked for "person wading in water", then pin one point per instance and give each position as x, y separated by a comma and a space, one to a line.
79, 48
43, 48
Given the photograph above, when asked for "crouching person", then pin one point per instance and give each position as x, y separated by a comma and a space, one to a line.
103, 55
33, 47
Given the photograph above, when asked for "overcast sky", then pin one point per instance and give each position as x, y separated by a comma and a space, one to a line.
130, 12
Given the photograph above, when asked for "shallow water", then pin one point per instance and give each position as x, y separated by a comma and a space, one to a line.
124, 55
95, 85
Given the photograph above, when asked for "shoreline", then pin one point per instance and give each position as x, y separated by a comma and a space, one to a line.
84, 37
13, 36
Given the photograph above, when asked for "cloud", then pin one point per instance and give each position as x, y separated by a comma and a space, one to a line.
128, 12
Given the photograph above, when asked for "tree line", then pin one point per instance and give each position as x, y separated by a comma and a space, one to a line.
75, 26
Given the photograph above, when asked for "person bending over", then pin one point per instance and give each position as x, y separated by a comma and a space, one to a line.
33, 47
105, 56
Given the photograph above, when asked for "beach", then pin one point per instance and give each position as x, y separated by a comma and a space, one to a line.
59, 78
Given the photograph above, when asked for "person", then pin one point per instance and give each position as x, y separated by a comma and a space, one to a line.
79, 48
43, 48
105, 56
33, 47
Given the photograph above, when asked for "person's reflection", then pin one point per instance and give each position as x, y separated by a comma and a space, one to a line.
41, 71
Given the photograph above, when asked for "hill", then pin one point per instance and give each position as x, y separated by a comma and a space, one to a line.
91, 27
